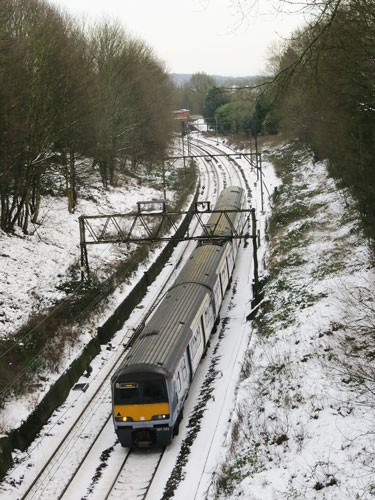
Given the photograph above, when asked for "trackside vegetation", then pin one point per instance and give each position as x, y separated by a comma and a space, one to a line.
323, 95
76, 102
40, 345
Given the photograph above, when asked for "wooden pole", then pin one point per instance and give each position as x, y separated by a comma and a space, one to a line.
183, 151
261, 182
164, 190
256, 155
84, 258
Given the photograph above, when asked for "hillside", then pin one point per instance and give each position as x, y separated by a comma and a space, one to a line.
303, 424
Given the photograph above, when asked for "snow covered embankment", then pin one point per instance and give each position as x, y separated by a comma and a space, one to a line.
303, 426
33, 266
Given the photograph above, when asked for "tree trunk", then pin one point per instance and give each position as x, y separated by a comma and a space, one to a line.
36, 200
25, 225
4, 210
71, 175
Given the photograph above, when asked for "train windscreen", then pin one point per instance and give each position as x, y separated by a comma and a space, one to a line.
140, 392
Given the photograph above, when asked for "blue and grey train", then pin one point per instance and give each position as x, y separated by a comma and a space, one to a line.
152, 383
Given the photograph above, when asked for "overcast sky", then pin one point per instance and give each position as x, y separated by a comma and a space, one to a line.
194, 35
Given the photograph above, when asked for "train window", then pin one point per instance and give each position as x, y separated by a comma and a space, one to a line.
193, 347
142, 392
217, 293
195, 341
154, 391
198, 335
126, 393
184, 370
210, 314
207, 317
224, 274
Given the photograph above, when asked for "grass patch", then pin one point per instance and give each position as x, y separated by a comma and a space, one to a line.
244, 466
286, 298
291, 214
326, 268
296, 238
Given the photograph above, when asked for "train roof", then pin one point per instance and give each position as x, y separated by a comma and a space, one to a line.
165, 337
230, 197
220, 224
201, 267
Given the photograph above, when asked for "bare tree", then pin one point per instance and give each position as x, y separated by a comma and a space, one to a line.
133, 100
29, 114
64, 93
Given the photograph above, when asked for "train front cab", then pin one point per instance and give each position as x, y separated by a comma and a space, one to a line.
141, 410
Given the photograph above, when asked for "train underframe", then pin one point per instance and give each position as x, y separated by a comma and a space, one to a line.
145, 437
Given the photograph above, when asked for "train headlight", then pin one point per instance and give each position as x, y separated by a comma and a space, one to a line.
124, 419
165, 416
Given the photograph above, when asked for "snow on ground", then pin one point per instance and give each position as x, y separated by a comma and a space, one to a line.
224, 368
32, 266
303, 426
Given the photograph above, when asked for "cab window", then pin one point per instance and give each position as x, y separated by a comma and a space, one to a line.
141, 392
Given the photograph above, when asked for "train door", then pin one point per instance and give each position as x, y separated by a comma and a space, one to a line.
230, 257
208, 319
196, 346
217, 296
224, 277
182, 377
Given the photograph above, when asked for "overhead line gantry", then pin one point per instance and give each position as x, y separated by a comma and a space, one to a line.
156, 226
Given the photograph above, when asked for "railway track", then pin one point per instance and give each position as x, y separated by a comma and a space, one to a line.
240, 168
65, 467
138, 488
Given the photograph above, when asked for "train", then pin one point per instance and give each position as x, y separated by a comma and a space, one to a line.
151, 385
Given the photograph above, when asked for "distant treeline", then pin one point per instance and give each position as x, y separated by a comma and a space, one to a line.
181, 79
68, 90
233, 107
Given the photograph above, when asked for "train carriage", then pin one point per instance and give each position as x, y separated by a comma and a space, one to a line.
150, 387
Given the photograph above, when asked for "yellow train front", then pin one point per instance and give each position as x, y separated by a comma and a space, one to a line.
141, 409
